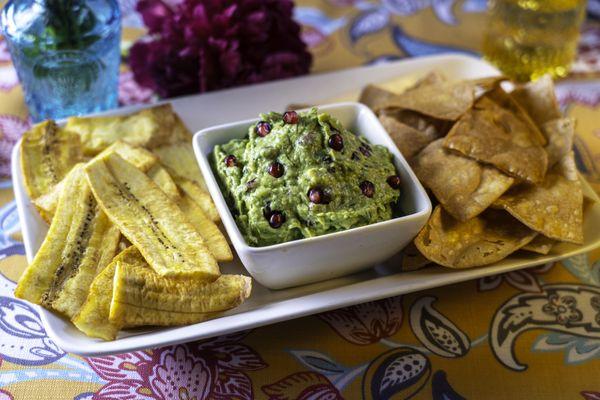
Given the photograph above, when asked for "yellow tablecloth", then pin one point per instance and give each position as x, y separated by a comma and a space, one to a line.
530, 334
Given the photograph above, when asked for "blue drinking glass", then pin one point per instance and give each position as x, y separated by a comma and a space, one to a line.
66, 53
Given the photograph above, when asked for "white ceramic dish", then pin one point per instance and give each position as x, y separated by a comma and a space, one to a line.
266, 306
328, 256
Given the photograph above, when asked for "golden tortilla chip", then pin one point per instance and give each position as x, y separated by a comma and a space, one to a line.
409, 140
150, 127
463, 186
553, 208
447, 101
375, 97
482, 240
540, 244
412, 259
560, 133
495, 135
538, 99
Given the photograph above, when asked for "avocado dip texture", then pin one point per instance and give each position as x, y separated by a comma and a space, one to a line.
299, 175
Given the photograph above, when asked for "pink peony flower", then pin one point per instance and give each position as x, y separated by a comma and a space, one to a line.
202, 45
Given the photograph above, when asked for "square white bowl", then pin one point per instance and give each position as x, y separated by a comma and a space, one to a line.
332, 255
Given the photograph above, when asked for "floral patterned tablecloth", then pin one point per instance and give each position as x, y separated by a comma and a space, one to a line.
530, 334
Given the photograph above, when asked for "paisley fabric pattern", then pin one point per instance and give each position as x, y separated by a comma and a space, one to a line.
531, 334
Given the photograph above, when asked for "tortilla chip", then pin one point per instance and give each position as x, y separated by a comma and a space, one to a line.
410, 141
448, 101
540, 244
560, 133
554, 208
431, 78
412, 259
375, 97
482, 240
463, 186
538, 99
497, 136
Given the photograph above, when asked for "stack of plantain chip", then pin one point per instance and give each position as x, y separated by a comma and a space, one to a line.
133, 239
499, 164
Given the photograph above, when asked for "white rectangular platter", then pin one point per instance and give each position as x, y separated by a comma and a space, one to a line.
266, 306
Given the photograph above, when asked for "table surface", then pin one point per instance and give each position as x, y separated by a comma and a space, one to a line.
531, 334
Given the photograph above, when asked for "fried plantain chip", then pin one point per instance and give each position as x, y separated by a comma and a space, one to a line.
46, 204
93, 318
79, 240
100, 250
161, 177
540, 244
445, 100
143, 159
463, 186
142, 297
150, 128
553, 208
485, 239
179, 158
213, 237
150, 220
538, 99
47, 154
201, 197
560, 133
497, 136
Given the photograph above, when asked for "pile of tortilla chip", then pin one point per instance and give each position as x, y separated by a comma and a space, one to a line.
499, 163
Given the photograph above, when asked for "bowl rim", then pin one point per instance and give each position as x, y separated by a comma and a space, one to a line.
236, 235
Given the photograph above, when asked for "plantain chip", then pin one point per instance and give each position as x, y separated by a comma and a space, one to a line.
463, 186
46, 204
213, 237
143, 159
553, 208
150, 128
485, 239
47, 154
492, 134
161, 177
93, 317
540, 244
142, 297
201, 197
179, 159
538, 99
150, 220
80, 239
444, 100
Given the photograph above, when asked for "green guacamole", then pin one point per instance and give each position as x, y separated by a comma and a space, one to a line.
305, 177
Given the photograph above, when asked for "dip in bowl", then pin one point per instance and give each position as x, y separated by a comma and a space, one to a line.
334, 247
303, 174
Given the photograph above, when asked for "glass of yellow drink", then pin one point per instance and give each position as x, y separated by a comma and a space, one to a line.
526, 39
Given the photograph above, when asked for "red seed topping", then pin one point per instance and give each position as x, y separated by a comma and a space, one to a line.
316, 195
290, 117
263, 128
276, 219
394, 181
231, 161
276, 170
367, 188
336, 142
